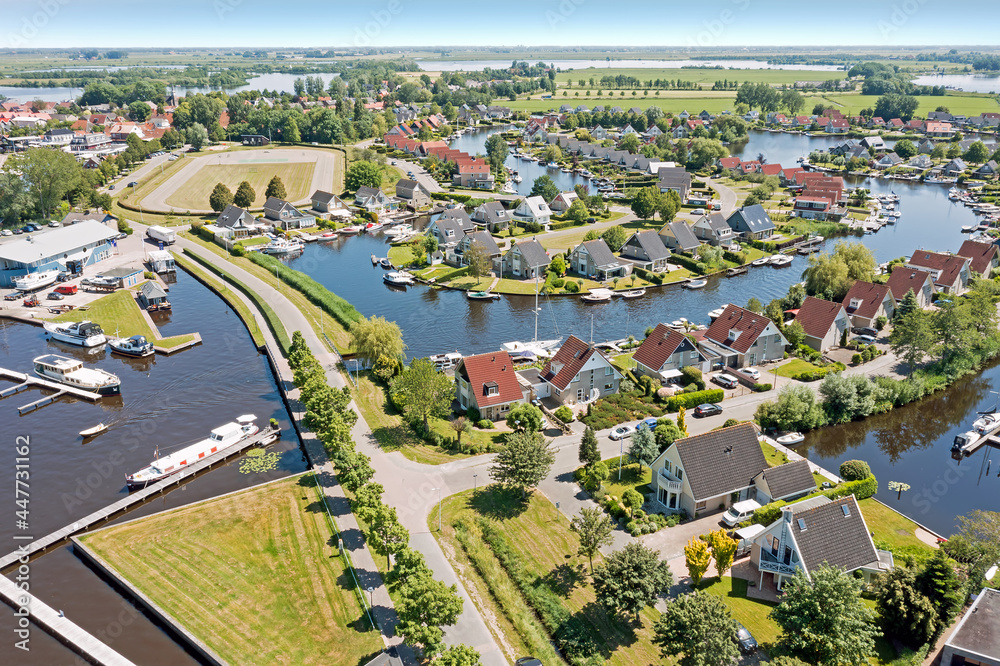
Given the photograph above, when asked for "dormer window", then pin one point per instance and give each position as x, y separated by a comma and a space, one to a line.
492, 388
734, 334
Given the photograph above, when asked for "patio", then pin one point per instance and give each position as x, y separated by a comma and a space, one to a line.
766, 591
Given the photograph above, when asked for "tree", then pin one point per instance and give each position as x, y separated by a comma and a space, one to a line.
594, 529
421, 392
244, 196
705, 152
363, 174
643, 448
723, 549
795, 409
544, 187
589, 453
824, 620
981, 530
631, 579
754, 305
855, 470
525, 417
292, 134
682, 421
197, 136
939, 582
697, 558
912, 338
896, 105
906, 613
15, 200
48, 174
478, 260
353, 468
670, 204
425, 605
386, 535
793, 101
460, 425
220, 198
646, 202
458, 655
275, 188
700, 628
831, 275
558, 265
977, 153
905, 149
578, 212
615, 237
795, 334
375, 338
629, 142
496, 151
907, 305
523, 462
139, 112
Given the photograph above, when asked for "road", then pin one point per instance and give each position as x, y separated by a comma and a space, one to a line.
727, 194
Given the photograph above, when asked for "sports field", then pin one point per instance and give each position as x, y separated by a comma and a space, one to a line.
193, 194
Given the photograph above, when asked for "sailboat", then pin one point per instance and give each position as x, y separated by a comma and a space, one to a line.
536, 347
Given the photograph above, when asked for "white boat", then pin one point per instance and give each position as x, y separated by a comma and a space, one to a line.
71, 372
372, 227
987, 423
968, 229
791, 439
398, 278
508, 188
695, 284
137, 346
94, 432
399, 230
518, 179
350, 231
81, 333
282, 246
780, 260
539, 348
597, 296
763, 261
33, 281
566, 170
220, 439
634, 293
716, 313
552, 165
444, 361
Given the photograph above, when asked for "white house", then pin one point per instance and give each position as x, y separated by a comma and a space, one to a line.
533, 209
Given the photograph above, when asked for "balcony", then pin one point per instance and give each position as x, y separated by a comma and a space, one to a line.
668, 481
770, 563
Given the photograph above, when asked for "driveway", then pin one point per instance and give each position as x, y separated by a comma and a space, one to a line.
726, 193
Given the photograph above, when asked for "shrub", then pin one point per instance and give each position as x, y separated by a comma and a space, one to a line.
565, 414
768, 513
124, 228
760, 388
687, 400
238, 251
730, 422
855, 470
862, 489
559, 283
473, 414
572, 287
857, 359
149, 275
484, 424
692, 375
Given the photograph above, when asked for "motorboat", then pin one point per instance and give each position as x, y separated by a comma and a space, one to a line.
968, 229
481, 295
537, 348
780, 260
398, 278
763, 261
634, 293
508, 188
71, 372
965, 442
136, 346
445, 361
385, 263
791, 439
372, 227
328, 235
566, 170
81, 333
399, 230
716, 313
33, 281
221, 438
517, 178
695, 284
282, 246
552, 165
597, 296
95, 431
351, 230
987, 423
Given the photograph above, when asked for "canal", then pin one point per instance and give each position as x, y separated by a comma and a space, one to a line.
166, 402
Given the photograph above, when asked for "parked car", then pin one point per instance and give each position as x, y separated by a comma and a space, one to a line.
111, 187
55, 296
867, 339
708, 409
6, 232
393, 163
698, 211
739, 512
621, 432
748, 644
649, 423
726, 381
864, 330
752, 372
54, 224
66, 289
528, 661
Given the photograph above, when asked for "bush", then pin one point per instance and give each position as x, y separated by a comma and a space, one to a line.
730, 423
238, 251
572, 287
689, 263
473, 414
687, 400
565, 414
484, 424
149, 275
692, 375
854, 470
768, 513
760, 388
559, 283
857, 359
862, 489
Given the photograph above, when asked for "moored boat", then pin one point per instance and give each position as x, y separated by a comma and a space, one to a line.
736, 270
633, 293
480, 295
350, 230
987, 423
763, 261
780, 260
397, 278
597, 296
385, 263
791, 439
282, 246
695, 284
82, 333
136, 346
372, 227
33, 281
71, 372
445, 361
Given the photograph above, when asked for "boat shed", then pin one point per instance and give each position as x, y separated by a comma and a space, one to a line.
127, 276
152, 296
65, 249
161, 261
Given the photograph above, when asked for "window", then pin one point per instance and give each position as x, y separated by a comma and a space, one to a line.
577, 378
694, 355
774, 546
680, 474
608, 371
777, 338
609, 387
699, 506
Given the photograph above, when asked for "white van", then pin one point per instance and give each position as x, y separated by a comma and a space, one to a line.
740, 512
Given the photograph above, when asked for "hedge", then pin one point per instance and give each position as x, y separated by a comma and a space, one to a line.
329, 302
565, 225
687, 262
862, 489
768, 513
688, 400
738, 258
447, 196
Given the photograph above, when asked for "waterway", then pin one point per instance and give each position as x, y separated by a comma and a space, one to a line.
576, 65
165, 402
980, 83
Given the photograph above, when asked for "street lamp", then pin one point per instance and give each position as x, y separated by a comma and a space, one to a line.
621, 454
371, 599
439, 506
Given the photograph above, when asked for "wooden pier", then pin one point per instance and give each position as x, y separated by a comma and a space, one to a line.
972, 446
27, 381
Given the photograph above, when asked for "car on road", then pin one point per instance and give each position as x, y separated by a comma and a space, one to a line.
528, 661
55, 296
54, 224
748, 644
726, 381
649, 423
621, 432
698, 211
393, 163
6, 232
867, 339
707, 409
133, 184
111, 187
752, 372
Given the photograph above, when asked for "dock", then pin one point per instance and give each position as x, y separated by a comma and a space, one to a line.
969, 447
26, 382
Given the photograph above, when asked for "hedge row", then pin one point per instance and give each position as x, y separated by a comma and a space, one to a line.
446, 196
565, 225
694, 399
862, 489
329, 302
689, 263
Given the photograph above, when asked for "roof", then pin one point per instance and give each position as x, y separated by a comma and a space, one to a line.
721, 461
977, 632
981, 254
715, 221
491, 212
537, 206
683, 233
232, 215
458, 215
750, 218
658, 346
487, 370
564, 366
871, 296
120, 272
817, 316
903, 279
152, 289
749, 325
789, 479
365, 192
406, 184
949, 266
599, 252
651, 244
65, 240
835, 533
486, 240
533, 252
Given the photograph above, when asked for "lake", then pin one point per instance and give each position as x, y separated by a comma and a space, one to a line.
980, 83
478, 65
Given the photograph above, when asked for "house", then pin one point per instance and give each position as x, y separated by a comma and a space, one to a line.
533, 209
740, 338
594, 258
713, 229
976, 640
473, 174
888, 161
679, 236
152, 296
728, 163
983, 257
123, 276
875, 144
784, 483
483, 238
954, 168
563, 201
254, 140
751, 222
925, 147
939, 129
372, 199
236, 223
488, 383
664, 352
331, 204
838, 126
282, 213
704, 473
413, 193
493, 216
451, 225
526, 259
988, 170
98, 215
866, 302
676, 179
920, 161
824, 322
646, 250
580, 373
951, 272
904, 279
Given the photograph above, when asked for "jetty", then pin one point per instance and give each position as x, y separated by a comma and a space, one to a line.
969, 446
26, 382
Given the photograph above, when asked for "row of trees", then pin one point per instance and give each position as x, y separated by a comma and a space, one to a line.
245, 195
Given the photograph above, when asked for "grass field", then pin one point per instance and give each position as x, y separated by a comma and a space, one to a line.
118, 312
795, 366
697, 75
673, 101
893, 530
253, 575
193, 195
969, 104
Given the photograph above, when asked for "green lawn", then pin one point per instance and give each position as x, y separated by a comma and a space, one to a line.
623, 361
402, 255
119, 314
523, 287
696, 75
673, 101
794, 367
773, 456
193, 195
893, 530
253, 575
751, 613
969, 104
632, 476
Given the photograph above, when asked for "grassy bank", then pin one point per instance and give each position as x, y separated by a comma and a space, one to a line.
253, 575
227, 294
119, 314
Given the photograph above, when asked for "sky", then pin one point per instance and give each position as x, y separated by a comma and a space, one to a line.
382, 23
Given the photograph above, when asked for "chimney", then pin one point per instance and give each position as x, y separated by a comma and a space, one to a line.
786, 514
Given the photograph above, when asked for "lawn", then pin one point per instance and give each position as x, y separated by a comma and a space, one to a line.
795, 366
402, 255
773, 456
751, 613
969, 104
193, 195
673, 101
893, 530
623, 361
252, 575
632, 476
119, 314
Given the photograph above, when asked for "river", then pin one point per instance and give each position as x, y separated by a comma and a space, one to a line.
166, 401
980, 83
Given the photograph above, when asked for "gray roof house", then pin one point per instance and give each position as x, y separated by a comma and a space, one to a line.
976, 639
280, 212
371, 199
526, 259
674, 178
664, 352
678, 235
325, 202
784, 482
646, 250
988, 170
413, 192
954, 167
595, 258
492, 215
713, 229
751, 222
447, 230
238, 222
457, 256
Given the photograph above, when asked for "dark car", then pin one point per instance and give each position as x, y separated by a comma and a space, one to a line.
707, 409
649, 423
133, 184
748, 644
528, 661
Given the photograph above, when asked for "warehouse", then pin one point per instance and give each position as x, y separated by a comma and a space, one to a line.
69, 249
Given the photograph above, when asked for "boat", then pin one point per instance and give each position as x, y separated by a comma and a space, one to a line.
372, 227
532, 350
82, 333
736, 270
987, 423
71, 372
399, 230
398, 278
695, 284
220, 439
517, 178
94, 432
763, 261
137, 346
445, 361
508, 188
566, 170
597, 296
968, 229
33, 281
480, 295
716, 313
791, 439
780, 260
385, 263
552, 165
282, 246
634, 293
350, 231
328, 235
